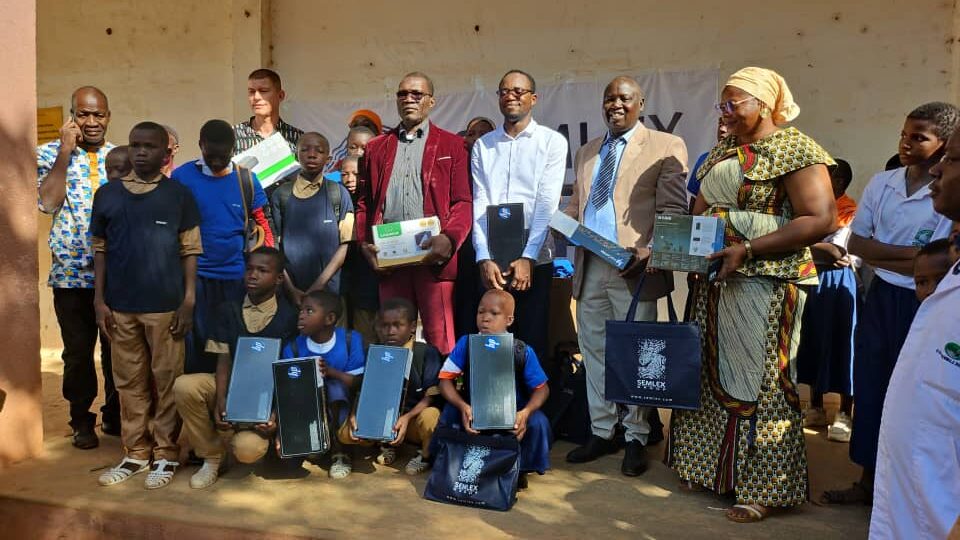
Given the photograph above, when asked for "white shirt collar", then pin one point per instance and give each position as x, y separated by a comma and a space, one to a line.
205, 169
527, 131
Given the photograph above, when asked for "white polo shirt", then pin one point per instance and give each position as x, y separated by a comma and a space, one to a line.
885, 213
528, 169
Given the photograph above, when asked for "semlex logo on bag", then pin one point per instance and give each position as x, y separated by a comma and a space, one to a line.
258, 346
387, 357
293, 372
651, 373
492, 343
470, 469
504, 213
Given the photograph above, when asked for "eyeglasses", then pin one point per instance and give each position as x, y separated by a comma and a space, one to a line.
414, 94
729, 106
518, 92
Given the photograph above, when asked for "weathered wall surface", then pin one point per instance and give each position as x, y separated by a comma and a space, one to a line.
172, 62
856, 68
21, 429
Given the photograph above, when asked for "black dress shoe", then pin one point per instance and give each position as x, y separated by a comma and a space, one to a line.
84, 437
110, 427
595, 448
635, 459
522, 481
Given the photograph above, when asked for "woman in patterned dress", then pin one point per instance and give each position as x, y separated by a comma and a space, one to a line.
771, 187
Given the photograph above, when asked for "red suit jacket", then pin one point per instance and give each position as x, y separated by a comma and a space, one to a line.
446, 188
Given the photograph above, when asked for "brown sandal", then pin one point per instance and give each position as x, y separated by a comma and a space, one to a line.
755, 513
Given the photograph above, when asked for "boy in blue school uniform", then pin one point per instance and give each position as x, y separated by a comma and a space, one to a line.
895, 219
227, 201
532, 428
340, 361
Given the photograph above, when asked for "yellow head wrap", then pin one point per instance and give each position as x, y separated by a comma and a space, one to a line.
770, 88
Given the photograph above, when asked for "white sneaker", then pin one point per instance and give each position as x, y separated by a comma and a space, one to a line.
340, 466
387, 456
841, 428
416, 465
161, 473
814, 418
207, 475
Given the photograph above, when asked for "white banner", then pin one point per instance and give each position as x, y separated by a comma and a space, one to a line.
678, 102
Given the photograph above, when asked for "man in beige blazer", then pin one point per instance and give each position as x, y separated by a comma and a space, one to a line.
623, 179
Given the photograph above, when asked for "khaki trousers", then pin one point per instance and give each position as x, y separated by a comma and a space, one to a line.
605, 296
196, 398
141, 346
419, 430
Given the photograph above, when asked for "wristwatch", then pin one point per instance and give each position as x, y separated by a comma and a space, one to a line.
749, 249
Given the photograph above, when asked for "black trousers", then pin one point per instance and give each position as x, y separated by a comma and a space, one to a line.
79, 332
532, 315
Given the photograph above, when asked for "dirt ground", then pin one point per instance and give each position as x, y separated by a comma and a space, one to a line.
569, 501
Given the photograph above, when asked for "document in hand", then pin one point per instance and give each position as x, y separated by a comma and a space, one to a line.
381, 393
399, 242
250, 393
506, 236
580, 235
493, 383
681, 243
301, 408
271, 160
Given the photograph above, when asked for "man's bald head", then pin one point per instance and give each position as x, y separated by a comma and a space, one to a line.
85, 93
622, 104
91, 112
625, 81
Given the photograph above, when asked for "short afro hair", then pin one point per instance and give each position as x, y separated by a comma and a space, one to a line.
218, 132
944, 116
326, 300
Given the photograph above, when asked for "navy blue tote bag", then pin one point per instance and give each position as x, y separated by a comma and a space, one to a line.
474, 470
653, 364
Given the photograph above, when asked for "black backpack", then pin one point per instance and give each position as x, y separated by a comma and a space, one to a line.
567, 407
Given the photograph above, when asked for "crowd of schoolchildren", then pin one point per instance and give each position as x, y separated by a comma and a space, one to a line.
175, 281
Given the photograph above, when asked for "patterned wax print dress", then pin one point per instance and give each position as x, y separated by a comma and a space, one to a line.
747, 436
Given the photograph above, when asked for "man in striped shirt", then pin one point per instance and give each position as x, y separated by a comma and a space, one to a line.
264, 93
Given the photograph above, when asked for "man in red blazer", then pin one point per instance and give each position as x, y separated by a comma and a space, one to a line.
418, 170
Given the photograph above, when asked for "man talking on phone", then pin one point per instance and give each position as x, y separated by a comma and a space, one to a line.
69, 171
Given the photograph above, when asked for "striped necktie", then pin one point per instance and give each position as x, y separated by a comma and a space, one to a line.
600, 193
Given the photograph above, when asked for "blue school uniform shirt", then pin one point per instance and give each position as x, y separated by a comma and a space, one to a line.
221, 218
533, 375
337, 356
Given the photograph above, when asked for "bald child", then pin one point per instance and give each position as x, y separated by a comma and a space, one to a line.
532, 428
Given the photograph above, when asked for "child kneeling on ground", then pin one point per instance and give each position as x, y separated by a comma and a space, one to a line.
201, 397
396, 326
532, 428
340, 361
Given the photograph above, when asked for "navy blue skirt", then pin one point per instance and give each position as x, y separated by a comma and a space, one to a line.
883, 327
825, 355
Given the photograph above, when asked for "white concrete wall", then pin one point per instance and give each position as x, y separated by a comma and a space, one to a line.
855, 68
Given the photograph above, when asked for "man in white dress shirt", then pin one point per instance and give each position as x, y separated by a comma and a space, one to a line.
520, 162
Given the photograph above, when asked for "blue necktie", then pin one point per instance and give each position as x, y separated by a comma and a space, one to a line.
600, 193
